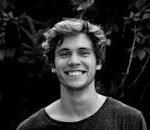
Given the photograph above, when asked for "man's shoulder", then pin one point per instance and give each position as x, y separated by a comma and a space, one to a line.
119, 112
121, 108
33, 120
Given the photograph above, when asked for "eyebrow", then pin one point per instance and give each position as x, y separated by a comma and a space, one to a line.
84, 48
67, 49
62, 50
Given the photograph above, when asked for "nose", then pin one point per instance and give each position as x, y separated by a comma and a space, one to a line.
74, 60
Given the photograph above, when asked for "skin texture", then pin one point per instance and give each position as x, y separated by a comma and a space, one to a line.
75, 56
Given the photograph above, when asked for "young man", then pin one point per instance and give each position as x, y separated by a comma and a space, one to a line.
75, 50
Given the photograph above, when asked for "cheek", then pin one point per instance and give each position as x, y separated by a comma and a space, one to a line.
93, 65
59, 64
92, 62
93, 69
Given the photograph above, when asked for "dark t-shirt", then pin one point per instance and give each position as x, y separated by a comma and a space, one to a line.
113, 115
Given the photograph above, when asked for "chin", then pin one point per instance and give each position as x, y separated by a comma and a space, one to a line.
76, 86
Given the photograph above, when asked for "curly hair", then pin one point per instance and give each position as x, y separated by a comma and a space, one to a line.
55, 35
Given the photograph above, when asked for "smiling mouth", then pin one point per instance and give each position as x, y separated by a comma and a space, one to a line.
75, 73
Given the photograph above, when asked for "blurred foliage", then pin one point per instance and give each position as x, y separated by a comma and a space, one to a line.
21, 37
82, 4
24, 24
29, 32
138, 23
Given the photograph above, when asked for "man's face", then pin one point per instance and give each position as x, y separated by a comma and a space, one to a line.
75, 62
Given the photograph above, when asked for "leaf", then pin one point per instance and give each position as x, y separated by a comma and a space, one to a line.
146, 16
84, 4
147, 10
128, 21
146, 38
4, 14
126, 18
141, 54
26, 52
131, 14
136, 19
23, 59
147, 50
139, 33
108, 42
137, 14
10, 14
2, 54
25, 45
137, 38
2, 34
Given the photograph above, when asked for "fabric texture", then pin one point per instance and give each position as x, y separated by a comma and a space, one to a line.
113, 115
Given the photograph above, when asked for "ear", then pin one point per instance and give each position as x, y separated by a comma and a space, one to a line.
98, 67
53, 70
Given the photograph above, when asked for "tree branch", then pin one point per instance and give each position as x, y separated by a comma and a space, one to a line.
130, 60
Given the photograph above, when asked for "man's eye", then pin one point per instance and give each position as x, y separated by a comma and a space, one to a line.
84, 53
64, 54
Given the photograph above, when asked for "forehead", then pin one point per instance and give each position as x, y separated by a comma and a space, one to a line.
75, 41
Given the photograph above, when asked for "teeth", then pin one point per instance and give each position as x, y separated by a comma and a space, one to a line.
75, 73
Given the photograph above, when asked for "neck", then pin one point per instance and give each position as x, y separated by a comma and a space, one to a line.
80, 103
